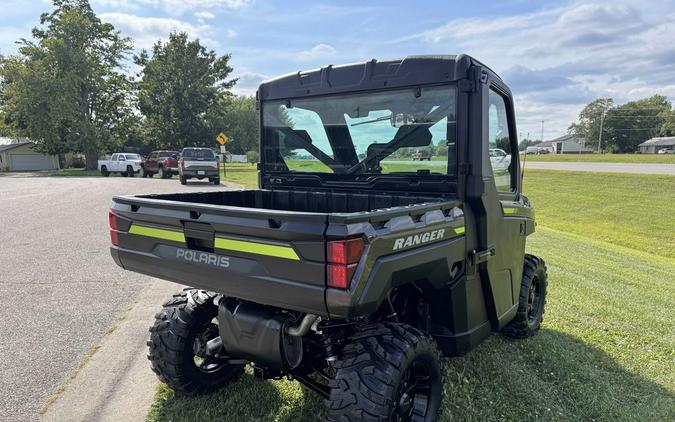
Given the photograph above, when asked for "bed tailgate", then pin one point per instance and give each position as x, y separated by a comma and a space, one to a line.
266, 256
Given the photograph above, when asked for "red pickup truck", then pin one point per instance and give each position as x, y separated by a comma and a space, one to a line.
164, 163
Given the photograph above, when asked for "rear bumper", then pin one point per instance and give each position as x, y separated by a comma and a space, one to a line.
243, 279
200, 172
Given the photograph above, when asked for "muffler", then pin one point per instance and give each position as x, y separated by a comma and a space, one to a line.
257, 333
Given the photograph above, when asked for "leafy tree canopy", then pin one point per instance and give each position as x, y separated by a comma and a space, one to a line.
179, 85
66, 89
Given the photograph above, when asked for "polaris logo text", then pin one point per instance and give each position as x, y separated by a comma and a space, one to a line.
203, 258
418, 239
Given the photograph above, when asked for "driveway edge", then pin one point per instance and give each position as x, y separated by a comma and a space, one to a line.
114, 383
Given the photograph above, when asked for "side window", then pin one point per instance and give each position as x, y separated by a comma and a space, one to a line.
500, 143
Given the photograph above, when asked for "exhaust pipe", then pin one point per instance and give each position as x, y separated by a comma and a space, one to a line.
302, 328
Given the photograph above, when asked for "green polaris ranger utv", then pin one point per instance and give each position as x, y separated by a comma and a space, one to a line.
353, 268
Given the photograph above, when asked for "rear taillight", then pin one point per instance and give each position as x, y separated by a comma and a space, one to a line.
112, 221
343, 257
218, 164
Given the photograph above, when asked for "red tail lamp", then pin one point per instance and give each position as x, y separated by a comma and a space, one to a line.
343, 257
112, 221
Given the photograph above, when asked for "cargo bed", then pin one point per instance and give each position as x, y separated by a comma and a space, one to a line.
266, 246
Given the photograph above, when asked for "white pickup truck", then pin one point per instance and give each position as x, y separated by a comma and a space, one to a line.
125, 164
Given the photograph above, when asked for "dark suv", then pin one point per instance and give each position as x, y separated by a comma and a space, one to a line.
164, 163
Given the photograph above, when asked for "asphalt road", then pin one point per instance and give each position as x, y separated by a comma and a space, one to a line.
638, 168
60, 287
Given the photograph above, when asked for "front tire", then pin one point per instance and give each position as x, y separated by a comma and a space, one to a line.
177, 344
162, 173
532, 300
130, 171
386, 372
183, 180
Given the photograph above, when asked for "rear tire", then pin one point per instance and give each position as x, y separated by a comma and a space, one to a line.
532, 300
177, 339
216, 181
104, 171
143, 172
387, 372
183, 180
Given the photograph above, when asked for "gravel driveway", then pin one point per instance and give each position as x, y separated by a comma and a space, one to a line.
60, 287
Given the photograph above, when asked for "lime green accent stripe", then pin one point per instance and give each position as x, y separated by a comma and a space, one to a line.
510, 210
172, 235
459, 230
285, 252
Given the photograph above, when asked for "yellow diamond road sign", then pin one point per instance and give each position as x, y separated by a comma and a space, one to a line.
222, 138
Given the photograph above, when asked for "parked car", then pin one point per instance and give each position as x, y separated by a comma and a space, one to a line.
125, 164
200, 163
499, 158
164, 163
421, 156
666, 151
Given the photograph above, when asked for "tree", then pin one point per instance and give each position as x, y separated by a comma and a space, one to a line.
238, 118
252, 157
668, 125
66, 90
630, 124
590, 120
177, 88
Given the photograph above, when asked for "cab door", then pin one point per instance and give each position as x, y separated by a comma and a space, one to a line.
497, 253
507, 227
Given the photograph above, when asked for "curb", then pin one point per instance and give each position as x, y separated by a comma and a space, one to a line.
114, 382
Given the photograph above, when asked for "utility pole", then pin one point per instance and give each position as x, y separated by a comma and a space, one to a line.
542, 131
602, 123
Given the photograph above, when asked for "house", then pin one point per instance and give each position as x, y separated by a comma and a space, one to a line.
20, 155
652, 146
567, 144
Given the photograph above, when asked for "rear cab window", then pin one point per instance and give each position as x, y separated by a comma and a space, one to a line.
198, 154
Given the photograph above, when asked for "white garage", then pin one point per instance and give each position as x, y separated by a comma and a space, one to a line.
22, 156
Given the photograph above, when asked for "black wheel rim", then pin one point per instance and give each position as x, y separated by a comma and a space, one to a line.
203, 362
414, 393
534, 301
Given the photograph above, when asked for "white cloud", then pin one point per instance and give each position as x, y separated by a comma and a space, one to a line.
205, 15
556, 60
175, 7
231, 33
248, 82
145, 31
318, 51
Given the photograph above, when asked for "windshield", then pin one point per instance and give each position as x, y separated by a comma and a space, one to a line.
198, 154
403, 130
168, 153
132, 156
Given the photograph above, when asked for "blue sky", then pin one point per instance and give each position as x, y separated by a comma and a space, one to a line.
555, 55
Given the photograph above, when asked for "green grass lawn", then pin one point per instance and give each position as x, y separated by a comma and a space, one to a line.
605, 158
79, 173
606, 350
